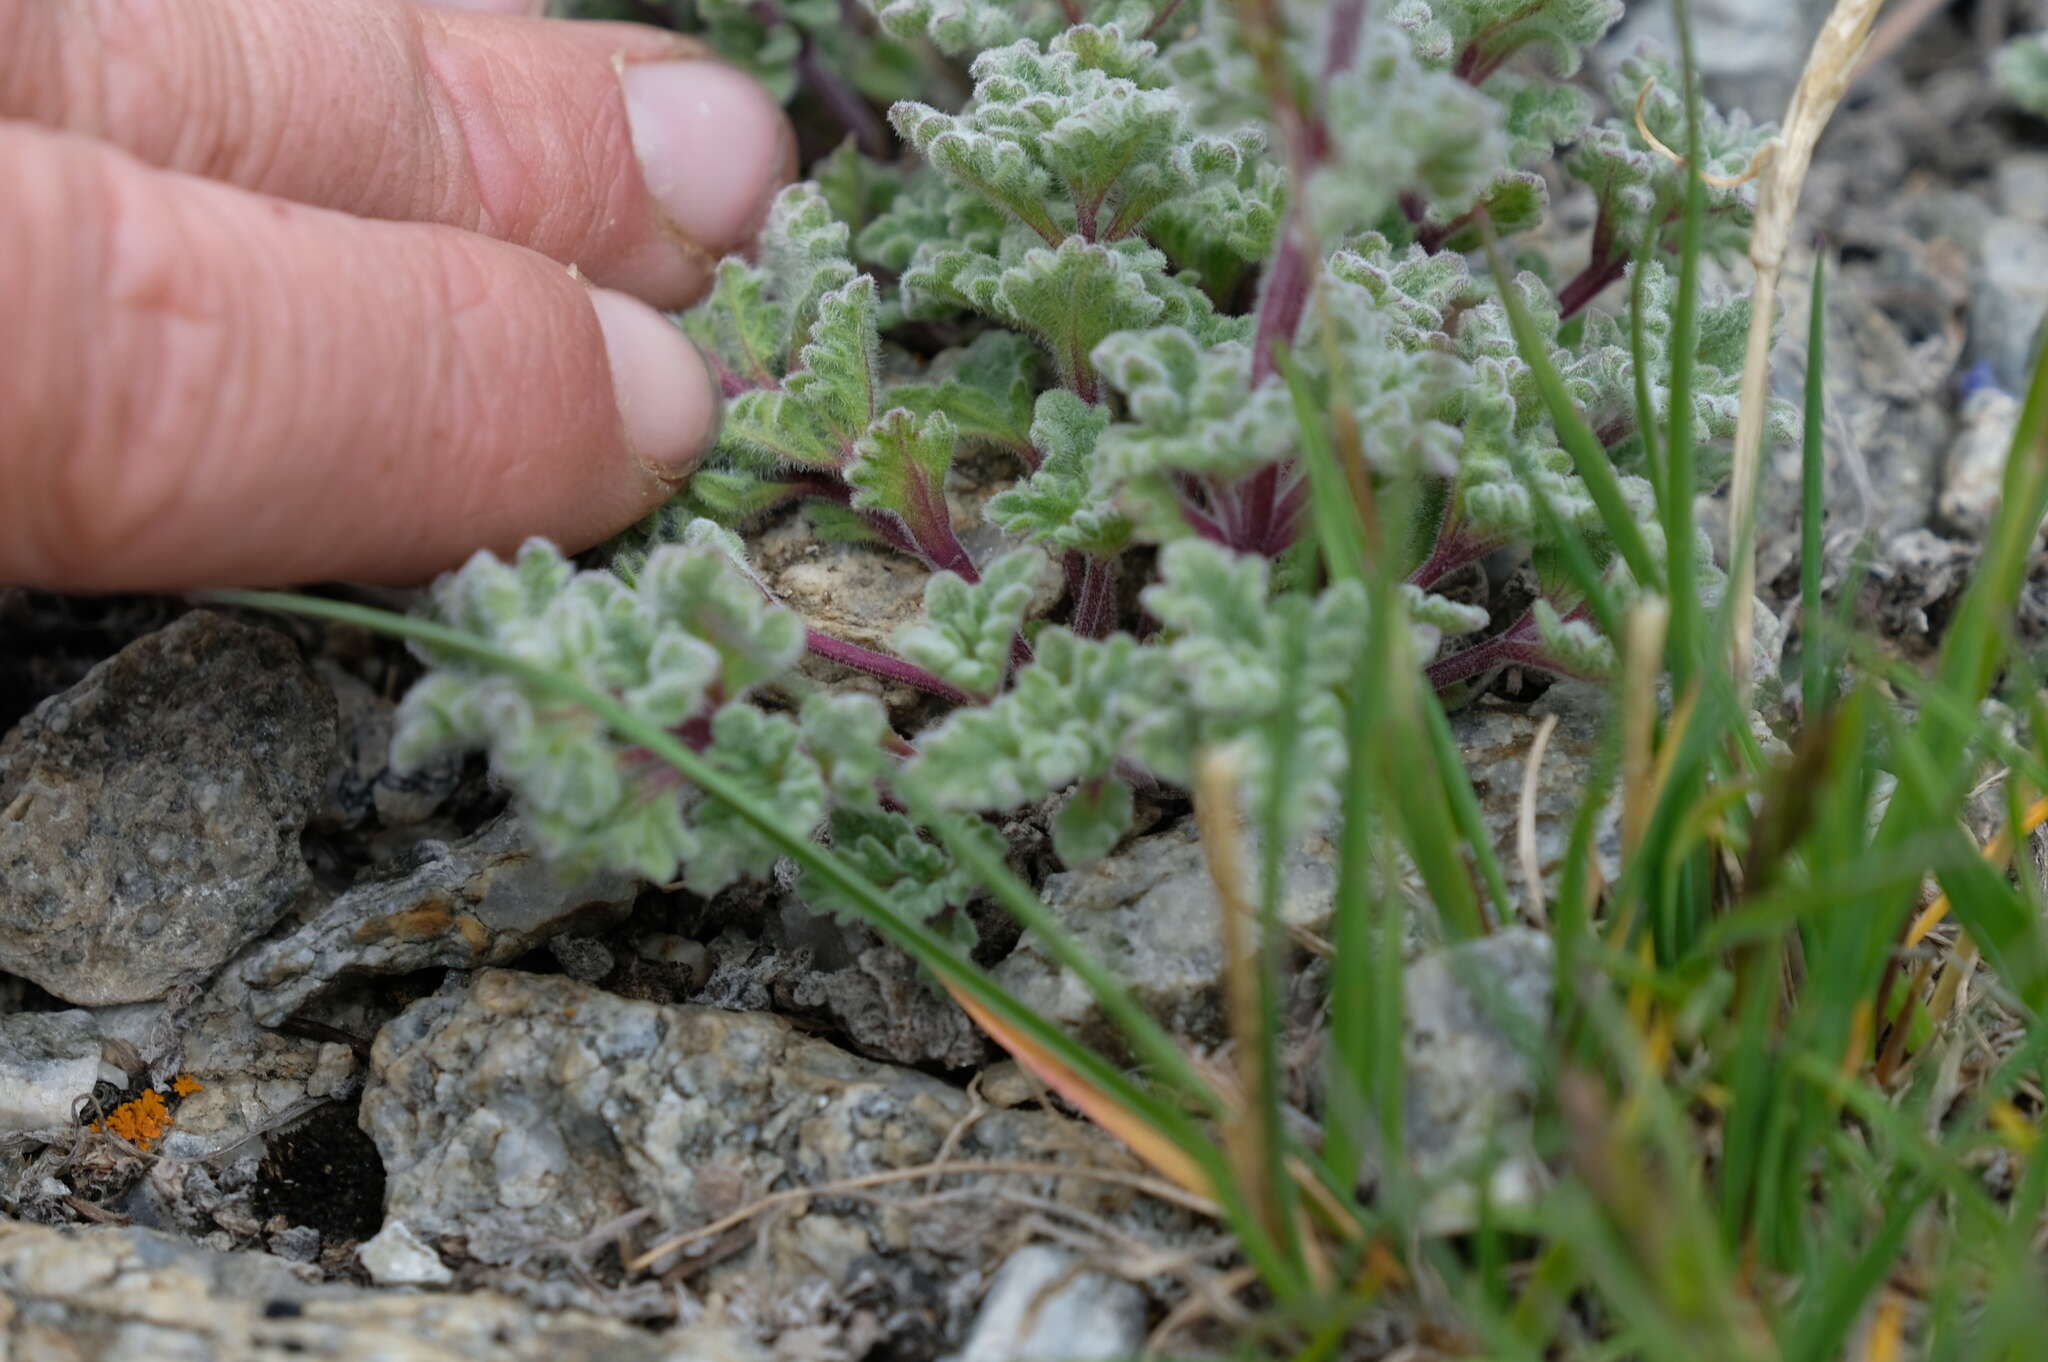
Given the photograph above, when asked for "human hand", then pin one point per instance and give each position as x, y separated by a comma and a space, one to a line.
282, 284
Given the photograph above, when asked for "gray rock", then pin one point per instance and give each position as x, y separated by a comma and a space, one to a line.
523, 1113
1750, 52
481, 901
887, 1009
150, 815
251, 1079
582, 957
1040, 1308
295, 1243
394, 1256
2009, 298
1150, 914
1475, 1014
864, 593
48, 1061
133, 1295
2023, 186
1973, 475
363, 784
1496, 740
1915, 577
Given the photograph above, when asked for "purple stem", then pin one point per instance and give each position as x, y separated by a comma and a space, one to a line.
1585, 286
1161, 19
1285, 525
884, 666
1518, 645
1451, 551
1074, 565
1347, 26
842, 100
1095, 608
1283, 295
1195, 509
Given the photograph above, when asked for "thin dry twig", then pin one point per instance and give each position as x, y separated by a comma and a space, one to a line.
1831, 65
1212, 1297
1217, 774
1157, 1188
1525, 820
1642, 647
1756, 162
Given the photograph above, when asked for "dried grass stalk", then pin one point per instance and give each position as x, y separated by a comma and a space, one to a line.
1830, 67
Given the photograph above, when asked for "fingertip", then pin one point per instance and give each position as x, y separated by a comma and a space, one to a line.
668, 403
714, 148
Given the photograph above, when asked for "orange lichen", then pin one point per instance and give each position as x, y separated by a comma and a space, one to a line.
141, 1122
185, 1085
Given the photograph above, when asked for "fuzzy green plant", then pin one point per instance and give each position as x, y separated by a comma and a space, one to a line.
2021, 69
1783, 1106
1082, 266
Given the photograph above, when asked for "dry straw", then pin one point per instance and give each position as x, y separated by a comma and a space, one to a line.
1831, 66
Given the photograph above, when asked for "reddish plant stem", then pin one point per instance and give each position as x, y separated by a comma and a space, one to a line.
1084, 218
942, 552
1261, 494
1095, 607
882, 665
1585, 286
1451, 551
1195, 509
1161, 19
1284, 526
842, 101
1283, 296
1518, 645
1347, 27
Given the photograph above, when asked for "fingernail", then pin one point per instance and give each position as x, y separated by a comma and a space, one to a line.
713, 145
667, 401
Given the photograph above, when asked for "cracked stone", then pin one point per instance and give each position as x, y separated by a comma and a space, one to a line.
150, 816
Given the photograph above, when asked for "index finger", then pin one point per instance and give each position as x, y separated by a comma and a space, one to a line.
623, 150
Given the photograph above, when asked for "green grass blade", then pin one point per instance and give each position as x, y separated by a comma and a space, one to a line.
1639, 366
1464, 802
1331, 508
1589, 457
1272, 943
1680, 469
1813, 668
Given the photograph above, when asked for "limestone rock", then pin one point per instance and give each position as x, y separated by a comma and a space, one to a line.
481, 901
48, 1060
150, 815
1040, 1309
524, 1112
1150, 914
128, 1295
2009, 299
362, 784
1496, 741
1476, 1012
1973, 475
396, 1257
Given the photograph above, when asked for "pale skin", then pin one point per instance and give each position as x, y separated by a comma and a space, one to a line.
304, 290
